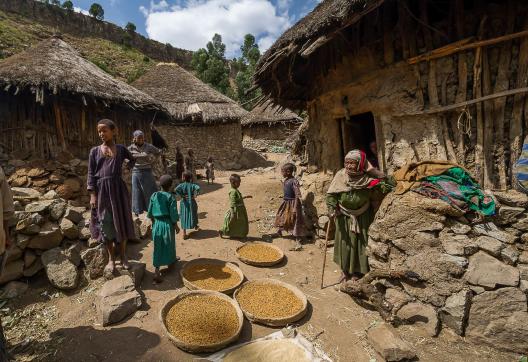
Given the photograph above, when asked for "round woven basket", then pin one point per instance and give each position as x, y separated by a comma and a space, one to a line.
196, 348
189, 284
260, 263
275, 322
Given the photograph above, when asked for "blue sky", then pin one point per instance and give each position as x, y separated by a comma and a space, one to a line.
189, 24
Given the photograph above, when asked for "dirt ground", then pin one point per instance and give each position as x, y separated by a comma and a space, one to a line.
52, 326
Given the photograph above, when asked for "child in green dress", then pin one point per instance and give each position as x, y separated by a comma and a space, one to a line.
164, 215
236, 223
188, 191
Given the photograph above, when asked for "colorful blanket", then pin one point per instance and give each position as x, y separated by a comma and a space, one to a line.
456, 187
520, 170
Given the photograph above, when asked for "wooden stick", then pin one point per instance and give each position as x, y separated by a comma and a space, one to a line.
462, 78
477, 92
325, 249
462, 45
58, 123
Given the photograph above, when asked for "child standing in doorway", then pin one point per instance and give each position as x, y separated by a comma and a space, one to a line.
188, 191
290, 216
163, 212
209, 170
236, 223
111, 221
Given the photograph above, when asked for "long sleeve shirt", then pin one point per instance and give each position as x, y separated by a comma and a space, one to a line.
145, 155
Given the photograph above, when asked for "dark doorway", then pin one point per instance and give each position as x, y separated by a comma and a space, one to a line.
358, 132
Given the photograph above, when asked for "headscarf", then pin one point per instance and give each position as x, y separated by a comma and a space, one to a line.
138, 133
359, 179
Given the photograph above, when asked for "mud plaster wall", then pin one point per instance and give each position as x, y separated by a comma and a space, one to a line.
221, 141
278, 131
387, 93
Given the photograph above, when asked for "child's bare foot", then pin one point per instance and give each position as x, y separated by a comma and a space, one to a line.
297, 246
221, 234
110, 267
124, 263
185, 236
157, 276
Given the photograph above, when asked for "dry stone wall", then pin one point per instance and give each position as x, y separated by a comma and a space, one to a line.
222, 141
474, 276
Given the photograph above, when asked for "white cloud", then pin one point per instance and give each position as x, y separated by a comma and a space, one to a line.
191, 24
80, 10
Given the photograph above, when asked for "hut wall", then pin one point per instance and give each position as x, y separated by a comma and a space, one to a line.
265, 136
29, 129
387, 93
222, 141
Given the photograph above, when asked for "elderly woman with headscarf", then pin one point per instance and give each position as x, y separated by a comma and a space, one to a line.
349, 202
143, 181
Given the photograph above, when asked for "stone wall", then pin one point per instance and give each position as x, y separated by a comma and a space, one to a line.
82, 25
264, 137
473, 276
222, 141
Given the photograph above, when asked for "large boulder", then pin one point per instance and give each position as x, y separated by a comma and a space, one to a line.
508, 214
49, 237
499, 318
491, 230
39, 206
74, 214
95, 260
12, 271
490, 245
57, 209
488, 272
386, 341
117, 300
512, 198
61, 272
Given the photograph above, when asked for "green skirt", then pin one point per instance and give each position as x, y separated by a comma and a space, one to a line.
164, 239
349, 247
236, 222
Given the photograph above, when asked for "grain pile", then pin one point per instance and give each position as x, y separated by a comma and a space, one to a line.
202, 320
268, 301
212, 276
274, 350
259, 253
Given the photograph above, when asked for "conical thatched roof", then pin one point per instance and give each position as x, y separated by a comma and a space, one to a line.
270, 114
186, 97
55, 66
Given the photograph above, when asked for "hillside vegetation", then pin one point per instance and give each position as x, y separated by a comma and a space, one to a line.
18, 33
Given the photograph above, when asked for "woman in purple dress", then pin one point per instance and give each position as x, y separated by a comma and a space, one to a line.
111, 221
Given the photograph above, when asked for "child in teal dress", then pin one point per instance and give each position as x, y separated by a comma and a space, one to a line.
164, 215
188, 206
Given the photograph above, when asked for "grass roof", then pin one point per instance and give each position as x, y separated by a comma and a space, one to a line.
270, 114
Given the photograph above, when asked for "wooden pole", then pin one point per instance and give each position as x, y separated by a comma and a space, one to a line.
462, 45
58, 124
477, 93
462, 78
327, 236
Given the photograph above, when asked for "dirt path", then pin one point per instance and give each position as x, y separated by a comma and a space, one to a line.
335, 322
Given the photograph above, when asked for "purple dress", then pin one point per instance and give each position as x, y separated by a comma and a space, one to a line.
105, 178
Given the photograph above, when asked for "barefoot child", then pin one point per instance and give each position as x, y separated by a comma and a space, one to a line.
209, 170
111, 221
236, 219
188, 206
163, 212
289, 217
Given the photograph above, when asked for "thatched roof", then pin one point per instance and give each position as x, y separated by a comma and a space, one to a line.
270, 114
186, 97
288, 61
55, 66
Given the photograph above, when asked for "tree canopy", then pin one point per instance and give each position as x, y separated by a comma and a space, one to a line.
130, 27
68, 5
96, 11
211, 65
245, 67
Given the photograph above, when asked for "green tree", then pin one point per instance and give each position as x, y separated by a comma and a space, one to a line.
68, 5
130, 27
55, 2
96, 11
245, 68
211, 66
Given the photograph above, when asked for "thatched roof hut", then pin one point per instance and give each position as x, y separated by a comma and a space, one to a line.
411, 75
54, 67
186, 97
51, 99
208, 121
268, 126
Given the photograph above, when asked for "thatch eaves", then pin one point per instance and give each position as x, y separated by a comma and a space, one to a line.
54, 66
270, 114
290, 58
186, 97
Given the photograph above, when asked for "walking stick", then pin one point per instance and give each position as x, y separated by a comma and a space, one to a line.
325, 249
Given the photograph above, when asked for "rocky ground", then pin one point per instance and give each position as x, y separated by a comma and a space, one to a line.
44, 323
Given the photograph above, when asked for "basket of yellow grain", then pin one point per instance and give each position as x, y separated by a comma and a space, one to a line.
259, 254
211, 274
271, 302
201, 320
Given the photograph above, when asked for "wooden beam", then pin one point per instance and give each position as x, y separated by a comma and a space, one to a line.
462, 45
452, 107
58, 123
